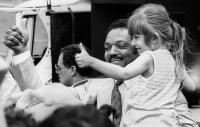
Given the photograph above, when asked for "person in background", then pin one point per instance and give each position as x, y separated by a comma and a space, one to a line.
25, 73
158, 71
40, 102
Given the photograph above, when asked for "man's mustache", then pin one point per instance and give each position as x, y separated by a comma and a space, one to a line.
114, 57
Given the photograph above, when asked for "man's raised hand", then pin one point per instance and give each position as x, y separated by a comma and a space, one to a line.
16, 38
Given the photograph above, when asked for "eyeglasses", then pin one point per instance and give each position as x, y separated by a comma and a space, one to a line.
58, 68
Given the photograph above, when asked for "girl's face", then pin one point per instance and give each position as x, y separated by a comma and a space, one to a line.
139, 43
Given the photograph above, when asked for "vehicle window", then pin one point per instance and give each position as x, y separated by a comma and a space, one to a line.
40, 40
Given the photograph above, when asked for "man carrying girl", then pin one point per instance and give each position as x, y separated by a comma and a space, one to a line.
158, 71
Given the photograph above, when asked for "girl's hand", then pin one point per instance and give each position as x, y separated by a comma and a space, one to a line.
83, 59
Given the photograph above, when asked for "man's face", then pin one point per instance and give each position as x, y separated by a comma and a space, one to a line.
118, 49
64, 73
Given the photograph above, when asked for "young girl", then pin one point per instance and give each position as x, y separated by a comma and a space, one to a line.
158, 71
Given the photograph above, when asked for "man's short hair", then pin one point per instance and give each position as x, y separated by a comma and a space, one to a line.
119, 23
69, 53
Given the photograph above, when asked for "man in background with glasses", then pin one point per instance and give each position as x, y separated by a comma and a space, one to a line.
38, 98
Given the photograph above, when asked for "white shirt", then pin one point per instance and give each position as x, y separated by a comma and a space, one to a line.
104, 94
21, 57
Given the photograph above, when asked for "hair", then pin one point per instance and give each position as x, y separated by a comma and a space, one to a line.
18, 118
120, 24
69, 53
152, 20
77, 116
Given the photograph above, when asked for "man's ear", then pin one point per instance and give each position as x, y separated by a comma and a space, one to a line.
73, 70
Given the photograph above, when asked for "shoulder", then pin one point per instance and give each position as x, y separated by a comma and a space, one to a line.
147, 54
146, 58
59, 93
55, 88
99, 83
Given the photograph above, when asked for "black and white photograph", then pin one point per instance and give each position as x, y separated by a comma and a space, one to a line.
99, 63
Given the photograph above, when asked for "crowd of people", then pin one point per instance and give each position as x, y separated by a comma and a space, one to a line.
145, 75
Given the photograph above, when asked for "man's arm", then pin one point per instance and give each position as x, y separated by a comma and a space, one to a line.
26, 75
24, 71
187, 81
183, 112
2, 117
3, 69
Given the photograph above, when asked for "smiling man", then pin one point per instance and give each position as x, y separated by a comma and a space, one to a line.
118, 49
